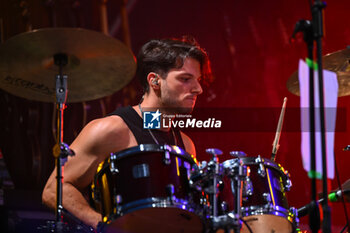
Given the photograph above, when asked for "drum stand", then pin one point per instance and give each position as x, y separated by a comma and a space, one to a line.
237, 174
61, 150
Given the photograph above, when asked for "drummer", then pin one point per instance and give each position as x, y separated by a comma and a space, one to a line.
170, 71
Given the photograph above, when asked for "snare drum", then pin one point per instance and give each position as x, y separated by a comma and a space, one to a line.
264, 206
148, 188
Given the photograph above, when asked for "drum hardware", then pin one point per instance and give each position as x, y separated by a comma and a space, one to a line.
247, 184
60, 59
237, 172
260, 162
248, 188
113, 167
334, 196
288, 181
267, 197
213, 167
170, 191
166, 159
208, 178
238, 154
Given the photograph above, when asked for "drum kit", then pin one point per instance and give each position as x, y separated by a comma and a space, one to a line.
154, 188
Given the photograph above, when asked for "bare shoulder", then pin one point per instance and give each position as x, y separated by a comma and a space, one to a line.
189, 145
105, 135
95, 143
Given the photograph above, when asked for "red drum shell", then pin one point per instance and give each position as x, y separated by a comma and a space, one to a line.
150, 191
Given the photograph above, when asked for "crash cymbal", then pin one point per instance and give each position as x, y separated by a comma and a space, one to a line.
98, 65
338, 62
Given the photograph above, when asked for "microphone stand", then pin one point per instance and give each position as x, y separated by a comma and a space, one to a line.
317, 22
60, 151
313, 31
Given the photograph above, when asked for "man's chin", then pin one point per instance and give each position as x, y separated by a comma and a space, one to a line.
180, 110
186, 109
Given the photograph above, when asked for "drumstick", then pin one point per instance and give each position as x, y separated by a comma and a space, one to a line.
275, 144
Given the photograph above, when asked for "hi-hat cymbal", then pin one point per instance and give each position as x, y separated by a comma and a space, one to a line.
98, 65
338, 62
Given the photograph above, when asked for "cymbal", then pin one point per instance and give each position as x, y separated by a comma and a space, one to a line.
337, 62
98, 65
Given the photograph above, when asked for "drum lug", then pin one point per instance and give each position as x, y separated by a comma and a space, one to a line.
288, 185
293, 213
288, 182
113, 168
261, 170
166, 159
224, 207
118, 199
267, 197
247, 187
170, 191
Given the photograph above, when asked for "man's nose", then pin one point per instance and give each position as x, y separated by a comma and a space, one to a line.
197, 88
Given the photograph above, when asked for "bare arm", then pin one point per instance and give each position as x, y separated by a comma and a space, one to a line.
189, 145
94, 144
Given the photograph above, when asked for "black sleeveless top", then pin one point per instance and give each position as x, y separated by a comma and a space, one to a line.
143, 136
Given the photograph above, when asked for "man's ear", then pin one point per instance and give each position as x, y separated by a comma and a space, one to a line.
153, 80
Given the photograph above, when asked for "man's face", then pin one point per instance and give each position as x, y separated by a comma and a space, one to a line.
181, 87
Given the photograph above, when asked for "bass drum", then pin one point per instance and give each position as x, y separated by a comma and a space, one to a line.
264, 206
146, 189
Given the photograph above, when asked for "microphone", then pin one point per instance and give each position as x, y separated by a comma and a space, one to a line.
332, 197
301, 25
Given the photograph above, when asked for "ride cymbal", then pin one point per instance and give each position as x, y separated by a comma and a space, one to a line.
98, 65
338, 62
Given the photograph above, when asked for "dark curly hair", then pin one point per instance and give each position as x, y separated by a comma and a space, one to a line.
160, 56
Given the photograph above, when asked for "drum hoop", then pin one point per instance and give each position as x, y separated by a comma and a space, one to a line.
261, 210
156, 202
251, 161
144, 148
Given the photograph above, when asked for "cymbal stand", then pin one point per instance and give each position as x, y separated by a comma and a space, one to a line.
61, 150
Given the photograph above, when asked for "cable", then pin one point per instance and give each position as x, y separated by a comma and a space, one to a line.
342, 196
245, 223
